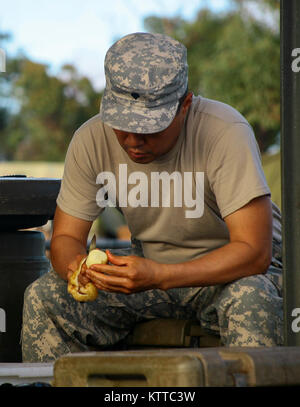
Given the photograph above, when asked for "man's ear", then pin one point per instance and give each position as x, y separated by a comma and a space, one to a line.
187, 102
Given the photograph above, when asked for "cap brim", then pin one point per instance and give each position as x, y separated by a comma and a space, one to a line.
134, 118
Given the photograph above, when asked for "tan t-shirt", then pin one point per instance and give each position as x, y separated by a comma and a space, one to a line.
176, 204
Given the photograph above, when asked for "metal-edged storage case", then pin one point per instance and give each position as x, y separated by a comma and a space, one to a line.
206, 367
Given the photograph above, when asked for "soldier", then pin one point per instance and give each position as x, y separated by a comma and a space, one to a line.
186, 173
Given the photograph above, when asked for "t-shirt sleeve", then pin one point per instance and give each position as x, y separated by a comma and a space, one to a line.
77, 195
234, 169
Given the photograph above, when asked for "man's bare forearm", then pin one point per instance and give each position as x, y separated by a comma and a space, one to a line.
64, 250
228, 263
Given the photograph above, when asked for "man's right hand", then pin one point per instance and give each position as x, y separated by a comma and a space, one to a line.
73, 266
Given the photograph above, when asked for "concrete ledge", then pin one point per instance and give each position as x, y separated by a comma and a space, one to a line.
24, 373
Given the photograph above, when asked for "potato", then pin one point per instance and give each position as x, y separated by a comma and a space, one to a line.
88, 292
96, 256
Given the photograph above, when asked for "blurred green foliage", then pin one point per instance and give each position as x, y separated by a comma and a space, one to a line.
49, 110
233, 57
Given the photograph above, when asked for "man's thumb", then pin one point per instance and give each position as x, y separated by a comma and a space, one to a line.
114, 259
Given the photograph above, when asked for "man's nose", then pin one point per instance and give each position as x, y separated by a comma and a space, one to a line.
134, 140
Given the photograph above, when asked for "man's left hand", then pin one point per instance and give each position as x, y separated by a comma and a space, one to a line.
126, 274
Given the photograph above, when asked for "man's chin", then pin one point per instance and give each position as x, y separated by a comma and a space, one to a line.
140, 158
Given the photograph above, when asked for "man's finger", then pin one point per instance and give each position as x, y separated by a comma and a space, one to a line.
109, 269
117, 260
113, 280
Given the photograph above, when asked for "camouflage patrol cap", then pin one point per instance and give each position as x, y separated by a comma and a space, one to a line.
146, 75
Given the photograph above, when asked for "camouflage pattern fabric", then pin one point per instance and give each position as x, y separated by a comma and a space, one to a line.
146, 75
247, 312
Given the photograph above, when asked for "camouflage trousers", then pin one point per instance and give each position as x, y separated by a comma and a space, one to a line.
246, 312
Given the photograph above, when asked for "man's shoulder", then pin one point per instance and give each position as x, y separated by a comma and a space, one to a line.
216, 111
92, 131
93, 123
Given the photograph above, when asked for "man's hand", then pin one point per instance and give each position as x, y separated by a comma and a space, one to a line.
73, 266
125, 274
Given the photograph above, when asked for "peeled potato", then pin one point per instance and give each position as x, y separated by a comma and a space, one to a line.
88, 292
96, 256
